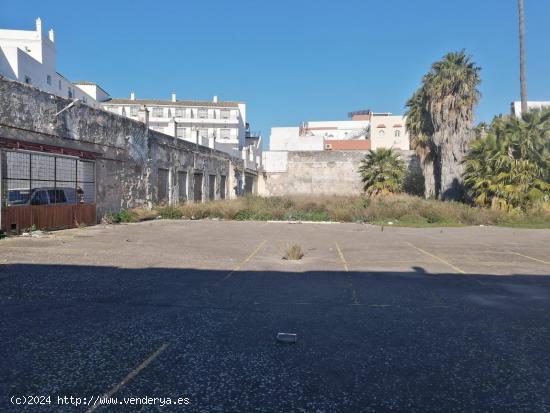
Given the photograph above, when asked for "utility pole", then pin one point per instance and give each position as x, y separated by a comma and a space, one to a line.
522, 78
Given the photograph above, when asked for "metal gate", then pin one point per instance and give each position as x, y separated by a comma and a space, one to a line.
46, 191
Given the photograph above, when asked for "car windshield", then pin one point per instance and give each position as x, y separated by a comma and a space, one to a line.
18, 196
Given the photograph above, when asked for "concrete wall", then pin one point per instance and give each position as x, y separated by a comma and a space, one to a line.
129, 154
315, 173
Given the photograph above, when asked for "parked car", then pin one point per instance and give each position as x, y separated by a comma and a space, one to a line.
42, 196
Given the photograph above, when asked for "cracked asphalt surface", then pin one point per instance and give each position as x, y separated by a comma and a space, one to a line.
427, 320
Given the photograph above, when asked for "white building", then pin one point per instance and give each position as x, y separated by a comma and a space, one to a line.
217, 124
366, 130
30, 57
531, 105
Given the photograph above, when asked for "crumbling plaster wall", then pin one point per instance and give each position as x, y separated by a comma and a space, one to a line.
129, 154
317, 172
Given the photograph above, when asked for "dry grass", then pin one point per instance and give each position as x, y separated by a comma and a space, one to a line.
403, 210
293, 252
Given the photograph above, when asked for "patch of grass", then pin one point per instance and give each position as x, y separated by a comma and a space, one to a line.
170, 212
120, 216
401, 210
293, 252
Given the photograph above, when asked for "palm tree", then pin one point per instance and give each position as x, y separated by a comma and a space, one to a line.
451, 92
382, 172
510, 167
522, 77
419, 126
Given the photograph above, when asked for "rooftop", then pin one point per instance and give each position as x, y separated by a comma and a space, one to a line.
168, 102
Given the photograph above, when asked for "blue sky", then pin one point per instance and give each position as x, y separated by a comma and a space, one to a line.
292, 60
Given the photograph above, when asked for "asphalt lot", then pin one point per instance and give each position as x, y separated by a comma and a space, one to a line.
452, 319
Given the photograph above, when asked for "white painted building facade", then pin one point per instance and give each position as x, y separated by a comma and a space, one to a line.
531, 105
384, 130
217, 124
30, 57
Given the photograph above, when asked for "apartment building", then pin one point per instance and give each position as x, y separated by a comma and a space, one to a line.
29, 56
363, 131
214, 123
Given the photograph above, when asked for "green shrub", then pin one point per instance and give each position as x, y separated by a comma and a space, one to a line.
170, 212
244, 215
120, 216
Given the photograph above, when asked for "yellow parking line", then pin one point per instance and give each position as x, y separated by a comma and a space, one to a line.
342, 257
531, 258
350, 280
130, 376
454, 267
238, 267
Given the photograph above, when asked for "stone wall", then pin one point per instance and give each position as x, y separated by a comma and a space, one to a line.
316, 172
129, 155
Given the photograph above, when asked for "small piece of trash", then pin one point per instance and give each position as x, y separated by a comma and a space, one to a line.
287, 337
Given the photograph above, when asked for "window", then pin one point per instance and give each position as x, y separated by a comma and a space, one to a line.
203, 113
225, 113
57, 196
59, 84
133, 110
180, 112
49, 80
169, 112
159, 127
203, 133
84, 99
28, 80
70, 93
225, 133
181, 132
39, 198
397, 133
123, 111
158, 112
114, 109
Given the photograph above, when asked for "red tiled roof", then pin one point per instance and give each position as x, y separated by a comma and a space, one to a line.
349, 144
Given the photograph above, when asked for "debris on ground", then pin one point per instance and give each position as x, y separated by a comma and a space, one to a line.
287, 337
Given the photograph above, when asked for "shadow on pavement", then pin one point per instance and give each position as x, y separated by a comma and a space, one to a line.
367, 341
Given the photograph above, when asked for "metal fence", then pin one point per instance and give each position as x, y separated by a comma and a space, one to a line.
30, 178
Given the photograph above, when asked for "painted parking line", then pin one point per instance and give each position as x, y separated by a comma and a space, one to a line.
130, 376
531, 258
454, 267
243, 262
354, 299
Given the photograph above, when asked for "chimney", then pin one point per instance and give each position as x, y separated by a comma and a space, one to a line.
173, 96
39, 26
132, 96
51, 35
215, 99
